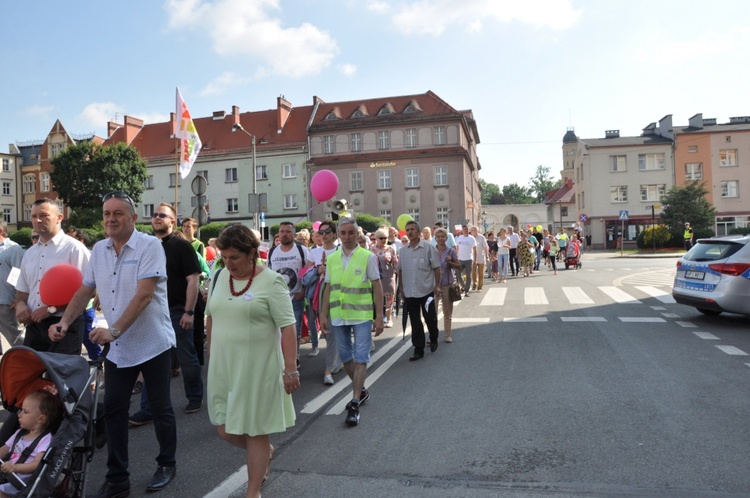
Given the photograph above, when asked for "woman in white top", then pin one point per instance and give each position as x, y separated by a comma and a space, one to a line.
503, 254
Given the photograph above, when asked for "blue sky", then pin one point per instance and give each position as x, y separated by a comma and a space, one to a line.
528, 68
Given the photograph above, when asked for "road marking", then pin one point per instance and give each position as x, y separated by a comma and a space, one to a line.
658, 308
525, 319
470, 320
670, 315
618, 295
576, 295
686, 324
494, 297
748, 364
706, 335
732, 350
641, 319
230, 484
583, 319
664, 297
534, 295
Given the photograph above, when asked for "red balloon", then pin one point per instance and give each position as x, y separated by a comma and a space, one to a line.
324, 185
401, 233
210, 253
59, 283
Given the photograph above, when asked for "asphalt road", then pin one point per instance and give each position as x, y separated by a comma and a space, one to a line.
588, 383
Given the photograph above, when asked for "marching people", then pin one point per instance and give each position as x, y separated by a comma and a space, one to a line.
11, 255
387, 260
467, 254
448, 262
514, 239
477, 270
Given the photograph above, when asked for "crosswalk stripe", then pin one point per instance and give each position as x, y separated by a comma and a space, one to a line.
583, 319
525, 319
619, 295
686, 324
470, 320
664, 297
494, 297
576, 295
706, 335
732, 350
641, 319
534, 295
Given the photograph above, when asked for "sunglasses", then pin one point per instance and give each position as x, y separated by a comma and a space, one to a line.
382, 238
325, 232
160, 215
118, 195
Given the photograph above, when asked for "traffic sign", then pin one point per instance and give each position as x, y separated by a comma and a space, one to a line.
583, 217
624, 215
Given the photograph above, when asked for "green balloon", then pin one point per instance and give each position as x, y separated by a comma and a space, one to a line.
403, 220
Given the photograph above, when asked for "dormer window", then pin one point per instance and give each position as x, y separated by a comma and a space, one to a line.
386, 110
360, 112
412, 108
332, 116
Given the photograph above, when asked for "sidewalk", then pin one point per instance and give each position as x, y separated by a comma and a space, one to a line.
644, 254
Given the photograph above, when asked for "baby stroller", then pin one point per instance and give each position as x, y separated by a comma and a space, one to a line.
62, 471
573, 254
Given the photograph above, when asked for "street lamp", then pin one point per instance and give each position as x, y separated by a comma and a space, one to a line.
236, 127
484, 219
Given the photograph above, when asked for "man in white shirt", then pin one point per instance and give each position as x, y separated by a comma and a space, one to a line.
513, 254
477, 274
466, 246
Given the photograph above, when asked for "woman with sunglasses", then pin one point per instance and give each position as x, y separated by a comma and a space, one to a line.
387, 259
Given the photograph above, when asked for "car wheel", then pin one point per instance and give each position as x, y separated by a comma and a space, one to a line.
708, 312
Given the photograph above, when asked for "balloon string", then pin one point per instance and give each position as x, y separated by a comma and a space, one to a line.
306, 215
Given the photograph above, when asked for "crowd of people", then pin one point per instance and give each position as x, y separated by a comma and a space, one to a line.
252, 305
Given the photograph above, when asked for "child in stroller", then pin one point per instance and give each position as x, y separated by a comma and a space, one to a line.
40, 415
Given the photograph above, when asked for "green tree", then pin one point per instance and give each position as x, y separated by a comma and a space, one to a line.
687, 204
516, 194
542, 182
370, 223
490, 193
84, 172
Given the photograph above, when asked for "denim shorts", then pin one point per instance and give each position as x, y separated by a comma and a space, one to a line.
354, 341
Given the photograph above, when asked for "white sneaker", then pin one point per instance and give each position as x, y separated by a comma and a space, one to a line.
328, 379
314, 352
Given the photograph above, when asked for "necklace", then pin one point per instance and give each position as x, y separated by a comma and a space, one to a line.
249, 283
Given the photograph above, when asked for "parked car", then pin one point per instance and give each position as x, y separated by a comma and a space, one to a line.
714, 276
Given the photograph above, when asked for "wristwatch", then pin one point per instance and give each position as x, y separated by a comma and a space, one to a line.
51, 310
115, 332
189, 312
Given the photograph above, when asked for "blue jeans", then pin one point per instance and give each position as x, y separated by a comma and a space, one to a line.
354, 341
502, 263
189, 364
92, 348
298, 306
120, 383
312, 325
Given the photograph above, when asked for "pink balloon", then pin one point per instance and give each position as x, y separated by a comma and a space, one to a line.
324, 185
316, 225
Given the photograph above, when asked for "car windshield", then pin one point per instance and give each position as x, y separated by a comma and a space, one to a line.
712, 250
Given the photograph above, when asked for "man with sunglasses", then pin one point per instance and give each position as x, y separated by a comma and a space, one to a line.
129, 271
183, 273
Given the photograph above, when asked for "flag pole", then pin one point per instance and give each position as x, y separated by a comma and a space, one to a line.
176, 171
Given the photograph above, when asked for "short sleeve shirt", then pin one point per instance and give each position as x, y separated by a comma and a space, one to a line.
372, 273
116, 281
465, 244
288, 264
481, 249
11, 256
182, 261
417, 266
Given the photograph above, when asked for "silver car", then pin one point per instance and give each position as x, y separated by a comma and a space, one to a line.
714, 276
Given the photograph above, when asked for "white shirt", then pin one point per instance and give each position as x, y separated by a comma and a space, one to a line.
481, 249
466, 244
289, 264
61, 249
514, 240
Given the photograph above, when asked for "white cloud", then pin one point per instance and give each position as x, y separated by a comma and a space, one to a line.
97, 114
378, 7
223, 82
433, 17
39, 110
348, 70
248, 28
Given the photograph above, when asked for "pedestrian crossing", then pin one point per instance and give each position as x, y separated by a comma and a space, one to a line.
601, 295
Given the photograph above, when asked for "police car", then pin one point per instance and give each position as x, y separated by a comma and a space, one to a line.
714, 276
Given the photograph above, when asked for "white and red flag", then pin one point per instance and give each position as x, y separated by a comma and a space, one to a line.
190, 142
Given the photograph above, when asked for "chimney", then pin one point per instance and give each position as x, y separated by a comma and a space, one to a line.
696, 121
132, 127
739, 120
172, 124
218, 115
111, 128
283, 108
649, 130
612, 134
709, 122
235, 115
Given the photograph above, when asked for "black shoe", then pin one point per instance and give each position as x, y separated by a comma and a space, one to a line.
113, 490
352, 416
364, 396
163, 476
433, 346
193, 406
138, 419
418, 355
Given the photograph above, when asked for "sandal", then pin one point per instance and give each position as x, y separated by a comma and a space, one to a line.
268, 470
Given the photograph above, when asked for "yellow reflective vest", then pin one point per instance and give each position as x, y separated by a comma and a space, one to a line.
351, 291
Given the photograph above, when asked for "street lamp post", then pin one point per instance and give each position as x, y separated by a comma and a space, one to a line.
236, 127
484, 219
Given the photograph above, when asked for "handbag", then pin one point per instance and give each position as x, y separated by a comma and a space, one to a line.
454, 293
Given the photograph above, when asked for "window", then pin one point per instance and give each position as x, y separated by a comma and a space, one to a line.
384, 179
411, 137
174, 177
203, 173
261, 172
730, 188
356, 142
728, 157
618, 164
414, 212
728, 139
289, 170
439, 133
693, 149
441, 215
8, 215
44, 177
233, 205
149, 183
29, 185
56, 149
618, 193
651, 162
652, 192
27, 212
6, 164
383, 142
412, 177
441, 175
694, 171
328, 144
60, 205
355, 181
230, 175
386, 214
7, 188
563, 210
290, 201
148, 210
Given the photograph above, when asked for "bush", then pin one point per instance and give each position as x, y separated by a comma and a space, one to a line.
211, 230
302, 225
22, 237
740, 231
370, 223
145, 229
659, 234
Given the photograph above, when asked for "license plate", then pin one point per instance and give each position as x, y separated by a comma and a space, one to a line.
695, 275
